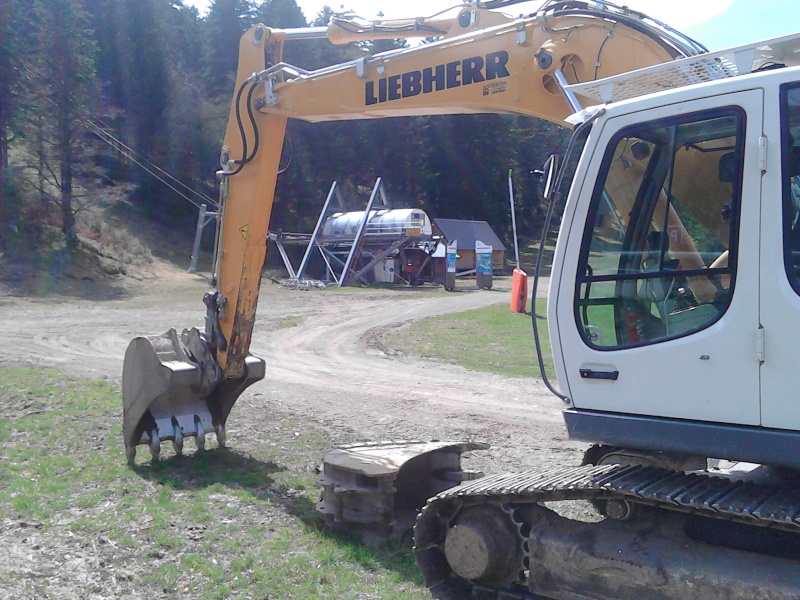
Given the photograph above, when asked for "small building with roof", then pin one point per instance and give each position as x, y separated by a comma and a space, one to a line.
466, 233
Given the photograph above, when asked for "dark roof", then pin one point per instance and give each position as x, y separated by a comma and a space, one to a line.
466, 232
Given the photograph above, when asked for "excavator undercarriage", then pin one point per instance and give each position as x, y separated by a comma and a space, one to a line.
666, 535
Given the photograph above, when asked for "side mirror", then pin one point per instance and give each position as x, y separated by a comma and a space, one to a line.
548, 175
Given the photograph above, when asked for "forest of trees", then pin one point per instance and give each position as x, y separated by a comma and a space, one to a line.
156, 76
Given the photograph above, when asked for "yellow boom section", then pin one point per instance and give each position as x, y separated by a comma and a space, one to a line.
505, 68
246, 202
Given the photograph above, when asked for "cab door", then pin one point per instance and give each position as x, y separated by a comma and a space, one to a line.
780, 256
656, 306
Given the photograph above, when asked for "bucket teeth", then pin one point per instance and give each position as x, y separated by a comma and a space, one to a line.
155, 445
172, 388
200, 434
177, 442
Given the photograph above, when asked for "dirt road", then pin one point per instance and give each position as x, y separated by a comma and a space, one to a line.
319, 365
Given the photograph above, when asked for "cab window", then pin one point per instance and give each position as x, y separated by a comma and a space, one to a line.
658, 254
790, 174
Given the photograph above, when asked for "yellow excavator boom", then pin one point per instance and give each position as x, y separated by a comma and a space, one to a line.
487, 63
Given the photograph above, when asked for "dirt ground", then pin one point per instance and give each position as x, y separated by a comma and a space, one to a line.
320, 364
321, 367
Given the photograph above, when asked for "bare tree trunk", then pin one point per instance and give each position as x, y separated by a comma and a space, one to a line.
3, 159
41, 159
65, 168
5, 117
7, 208
6, 106
67, 216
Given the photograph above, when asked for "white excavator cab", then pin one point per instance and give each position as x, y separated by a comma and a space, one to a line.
672, 314
669, 269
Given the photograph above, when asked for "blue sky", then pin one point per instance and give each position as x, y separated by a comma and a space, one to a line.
717, 24
747, 21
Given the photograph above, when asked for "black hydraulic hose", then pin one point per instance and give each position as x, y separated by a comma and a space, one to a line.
536, 271
554, 198
240, 125
251, 116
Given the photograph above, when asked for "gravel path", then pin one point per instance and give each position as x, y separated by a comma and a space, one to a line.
319, 365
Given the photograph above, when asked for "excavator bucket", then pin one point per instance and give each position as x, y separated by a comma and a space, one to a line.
172, 388
376, 490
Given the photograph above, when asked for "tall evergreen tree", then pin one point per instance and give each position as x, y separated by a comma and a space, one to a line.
9, 74
227, 20
154, 94
185, 31
11, 57
60, 96
146, 71
192, 147
281, 13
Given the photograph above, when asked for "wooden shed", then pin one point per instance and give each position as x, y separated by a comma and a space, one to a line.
466, 233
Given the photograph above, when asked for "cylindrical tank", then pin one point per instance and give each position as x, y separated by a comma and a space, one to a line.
383, 225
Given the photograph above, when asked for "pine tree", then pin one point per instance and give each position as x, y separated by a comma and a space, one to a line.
11, 56
281, 13
61, 90
9, 74
227, 20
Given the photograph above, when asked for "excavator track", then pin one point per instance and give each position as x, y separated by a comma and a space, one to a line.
496, 538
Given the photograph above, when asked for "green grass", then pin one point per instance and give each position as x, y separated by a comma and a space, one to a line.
491, 339
217, 525
288, 322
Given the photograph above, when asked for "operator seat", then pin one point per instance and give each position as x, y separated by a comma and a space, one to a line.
728, 167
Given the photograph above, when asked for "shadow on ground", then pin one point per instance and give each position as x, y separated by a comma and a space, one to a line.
239, 471
219, 466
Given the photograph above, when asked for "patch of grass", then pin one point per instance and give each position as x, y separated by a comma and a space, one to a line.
287, 322
491, 339
217, 525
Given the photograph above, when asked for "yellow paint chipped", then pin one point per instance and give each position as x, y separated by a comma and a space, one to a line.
243, 231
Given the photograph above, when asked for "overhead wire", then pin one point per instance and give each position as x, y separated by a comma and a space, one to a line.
131, 154
149, 166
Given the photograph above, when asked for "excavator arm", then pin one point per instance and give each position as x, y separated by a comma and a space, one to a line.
184, 385
485, 62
